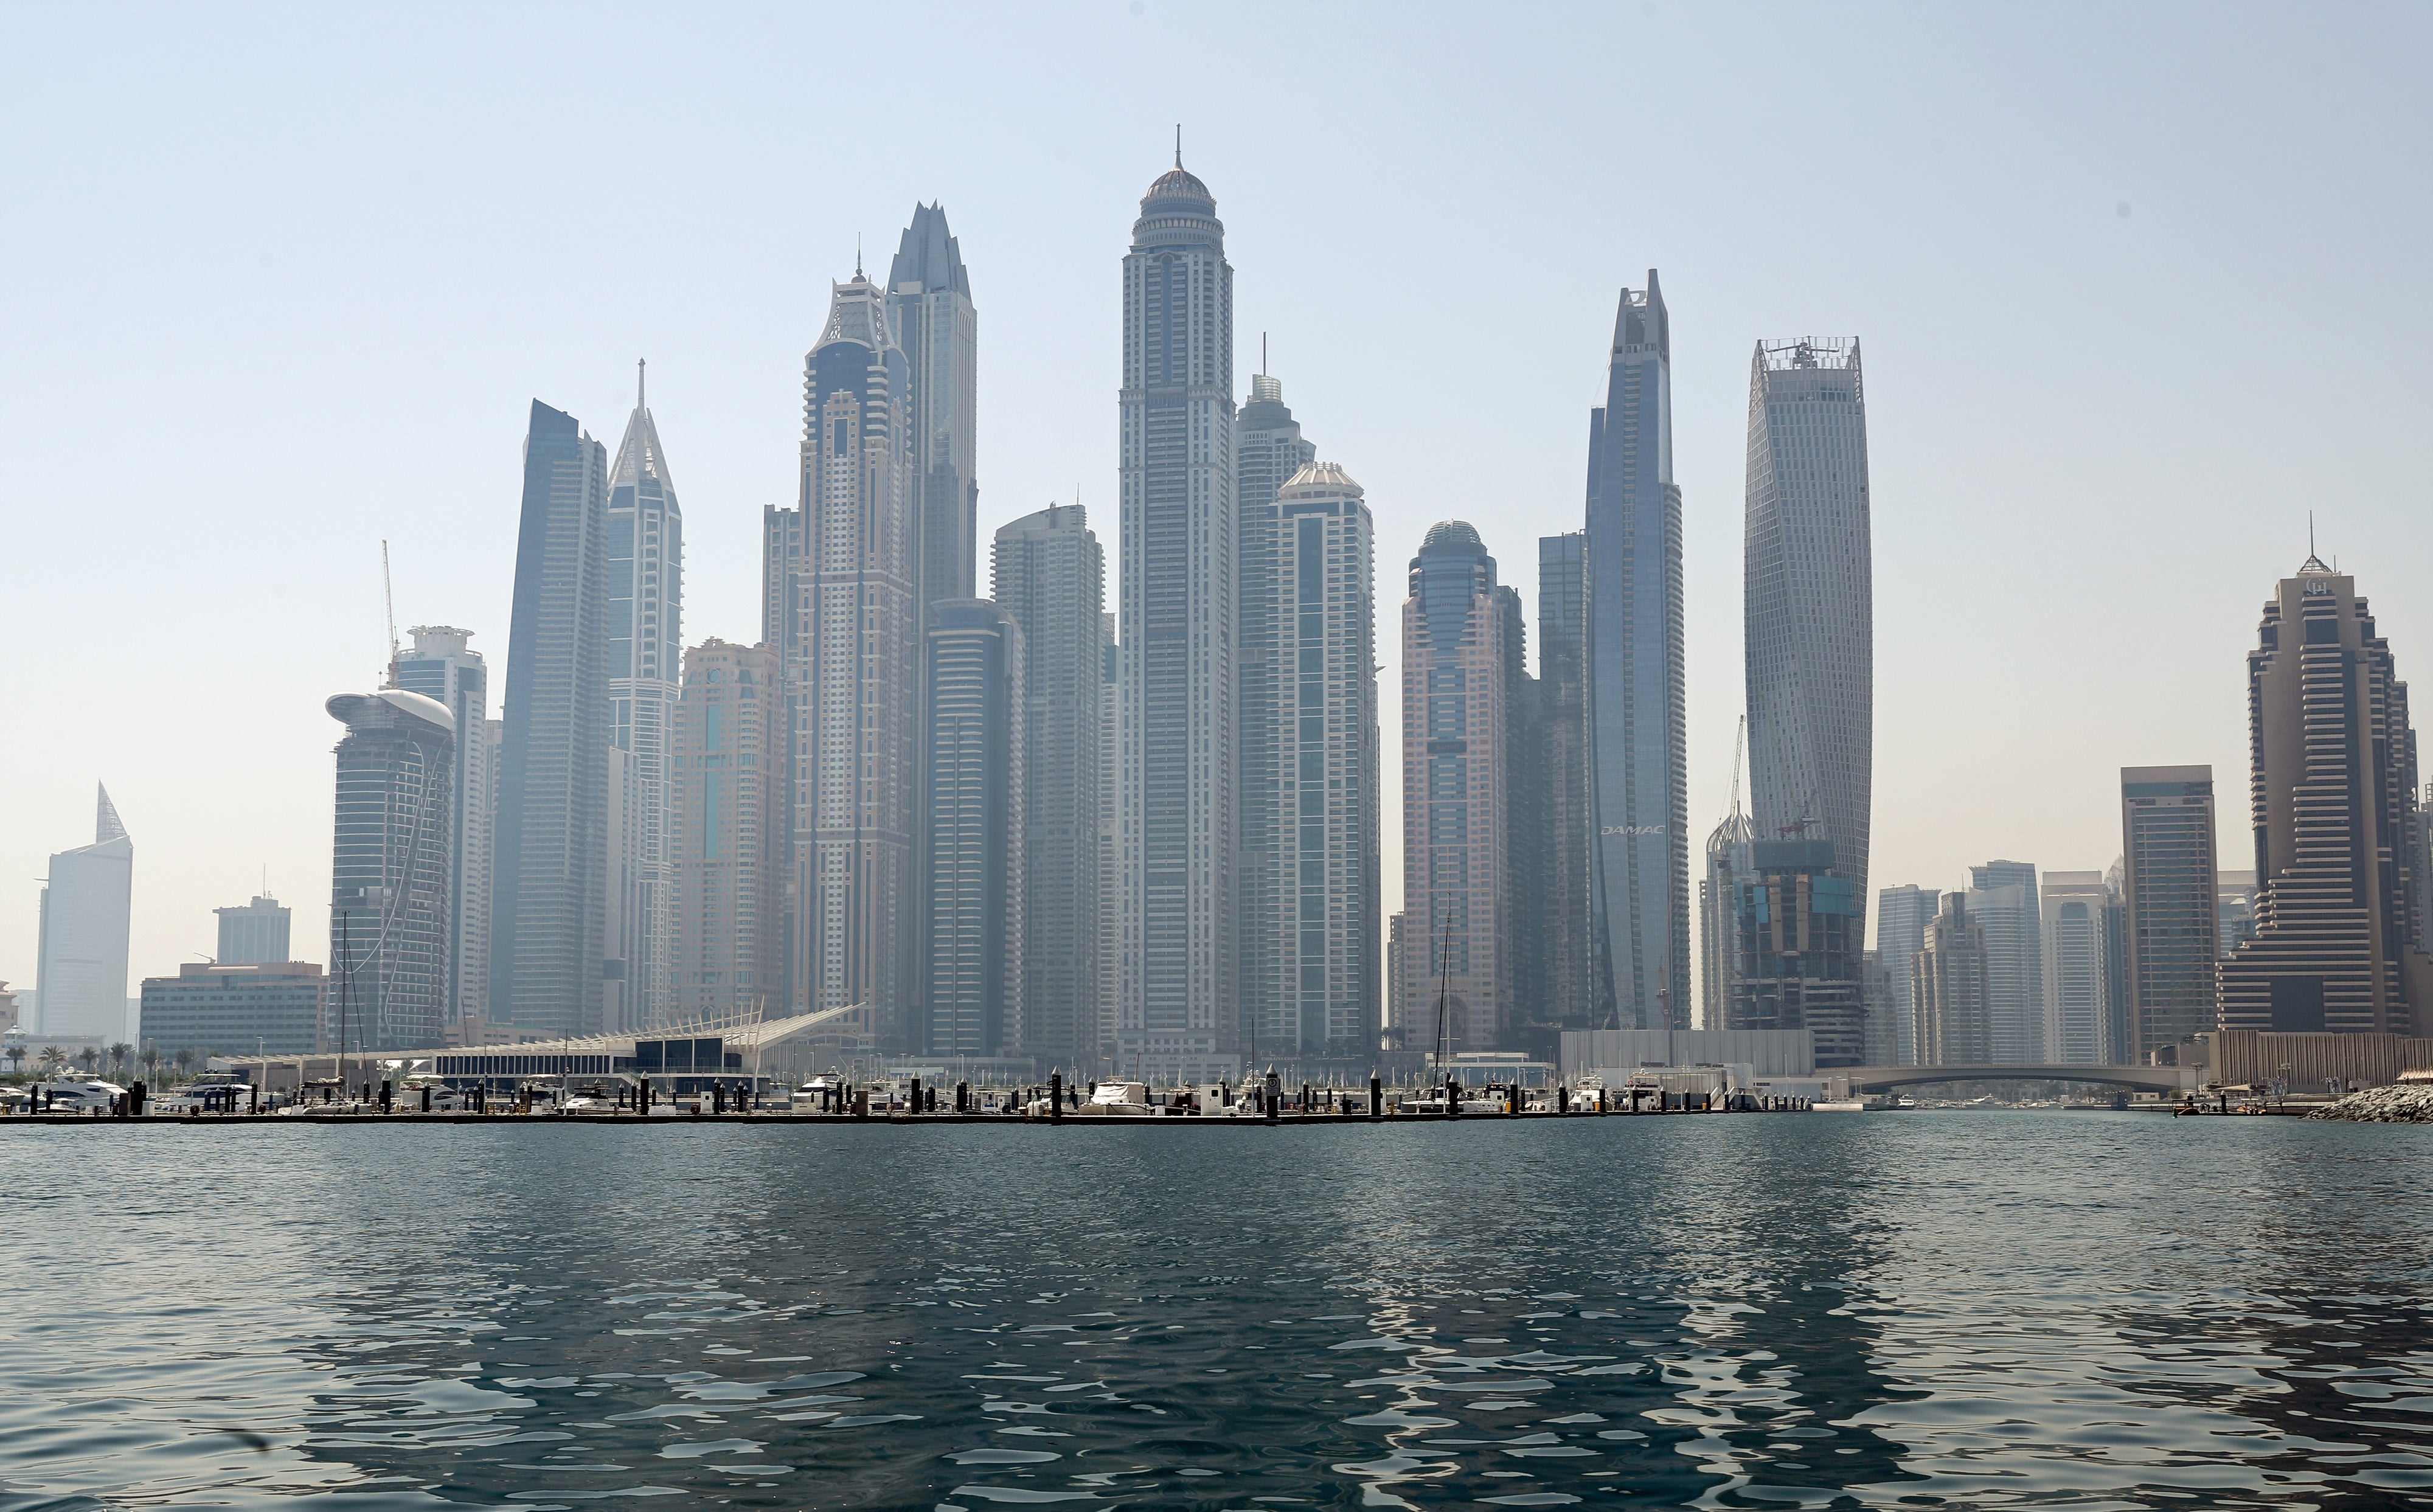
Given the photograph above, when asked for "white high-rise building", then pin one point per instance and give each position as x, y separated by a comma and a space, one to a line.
843, 609
645, 669
1316, 941
2077, 969
929, 309
1902, 915
80, 970
1177, 1005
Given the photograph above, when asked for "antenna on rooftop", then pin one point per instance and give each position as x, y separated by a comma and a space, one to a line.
1177, 143
1263, 354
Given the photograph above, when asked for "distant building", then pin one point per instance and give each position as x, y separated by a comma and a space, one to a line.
645, 539
2167, 887
80, 971
1313, 954
1178, 1006
1799, 924
255, 933
10, 1011
1269, 448
1637, 687
2339, 907
442, 668
258, 1008
1456, 750
1047, 574
1728, 864
971, 976
2234, 909
1882, 1036
1951, 1022
549, 919
1565, 901
929, 309
389, 867
841, 596
727, 785
2117, 991
2078, 1007
1809, 601
1111, 814
2003, 902
1902, 915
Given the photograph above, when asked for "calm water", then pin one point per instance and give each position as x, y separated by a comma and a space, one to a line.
1978, 1310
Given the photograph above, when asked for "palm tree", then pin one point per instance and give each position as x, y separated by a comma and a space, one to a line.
17, 1053
150, 1056
87, 1058
118, 1057
52, 1058
186, 1061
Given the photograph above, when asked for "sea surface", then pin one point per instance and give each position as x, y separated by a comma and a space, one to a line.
1914, 1310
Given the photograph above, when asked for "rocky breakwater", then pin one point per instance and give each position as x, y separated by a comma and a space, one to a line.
2383, 1105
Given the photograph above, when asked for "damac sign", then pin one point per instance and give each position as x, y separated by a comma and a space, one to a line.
1633, 829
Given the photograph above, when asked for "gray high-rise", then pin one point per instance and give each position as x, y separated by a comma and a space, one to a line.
1809, 601
929, 309
972, 978
1177, 1008
389, 868
549, 918
1902, 915
256, 934
2004, 900
1561, 932
1640, 872
645, 669
1047, 572
441, 667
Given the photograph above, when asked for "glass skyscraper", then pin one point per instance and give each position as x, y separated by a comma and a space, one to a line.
645, 663
1640, 870
929, 309
1177, 1008
1562, 930
390, 865
1809, 601
549, 918
443, 668
80, 973
972, 974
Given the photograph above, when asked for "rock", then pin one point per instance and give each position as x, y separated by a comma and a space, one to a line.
2383, 1105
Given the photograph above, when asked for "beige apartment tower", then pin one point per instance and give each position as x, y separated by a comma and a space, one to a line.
726, 782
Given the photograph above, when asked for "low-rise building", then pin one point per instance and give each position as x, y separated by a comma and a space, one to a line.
265, 1008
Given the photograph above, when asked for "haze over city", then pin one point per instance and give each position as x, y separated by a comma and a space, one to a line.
2137, 294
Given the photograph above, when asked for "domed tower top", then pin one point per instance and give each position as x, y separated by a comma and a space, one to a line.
1178, 209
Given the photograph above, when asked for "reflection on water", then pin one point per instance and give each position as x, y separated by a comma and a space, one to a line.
1929, 1309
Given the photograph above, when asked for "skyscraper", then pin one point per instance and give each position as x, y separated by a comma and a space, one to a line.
929, 309
1269, 448
1729, 862
645, 660
1640, 872
80, 970
1047, 572
1569, 826
442, 668
2168, 886
1809, 601
730, 749
1951, 1023
1456, 750
389, 866
1179, 1009
549, 912
1314, 954
2003, 899
2234, 909
1111, 817
972, 978
843, 611
254, 934
2332, 772
2078, 1009
1902, 915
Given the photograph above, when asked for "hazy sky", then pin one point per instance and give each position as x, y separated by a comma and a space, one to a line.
2139, 286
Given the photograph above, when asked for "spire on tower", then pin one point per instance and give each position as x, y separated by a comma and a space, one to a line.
104, 819
1177, 143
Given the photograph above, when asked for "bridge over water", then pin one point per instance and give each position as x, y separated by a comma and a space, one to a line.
2142, 1078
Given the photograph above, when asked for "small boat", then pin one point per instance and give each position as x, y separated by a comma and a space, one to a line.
213, 1092
1119, 1099
76, 1094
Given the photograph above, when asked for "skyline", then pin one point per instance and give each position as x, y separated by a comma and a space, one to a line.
2214, 482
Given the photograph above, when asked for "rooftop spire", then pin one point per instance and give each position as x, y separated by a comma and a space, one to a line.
1177, 143
642, 372
105, 818
2313, 566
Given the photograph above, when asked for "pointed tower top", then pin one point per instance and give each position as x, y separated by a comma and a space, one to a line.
104, 819
2313, 566
641, 386
639, 455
